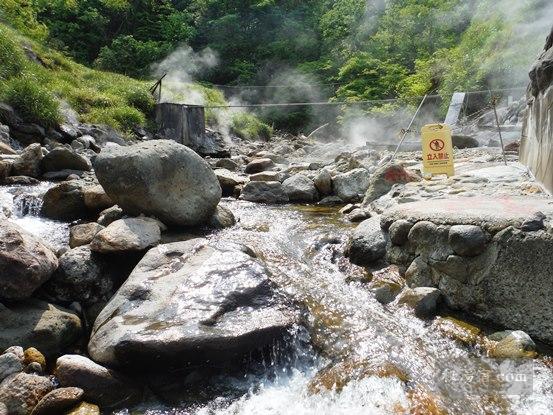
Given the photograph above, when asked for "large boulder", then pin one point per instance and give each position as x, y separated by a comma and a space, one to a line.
189, 302
259, 165
96, 199
28, 162
124, 235
25, 262
367, 244
264, 192
21, 392
62, 158
101, 386
159, 178
38, 324
300, 188
352, 185
64, 201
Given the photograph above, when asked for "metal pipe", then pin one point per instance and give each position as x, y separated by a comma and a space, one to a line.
494, 102
408, 128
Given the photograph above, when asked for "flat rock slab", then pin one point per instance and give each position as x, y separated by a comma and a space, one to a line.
492, 214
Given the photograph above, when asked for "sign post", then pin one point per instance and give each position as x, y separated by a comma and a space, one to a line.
437, 149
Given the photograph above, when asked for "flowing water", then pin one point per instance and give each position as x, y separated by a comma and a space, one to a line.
302, 246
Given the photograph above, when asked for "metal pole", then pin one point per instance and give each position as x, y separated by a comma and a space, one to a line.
408, 128
494, 102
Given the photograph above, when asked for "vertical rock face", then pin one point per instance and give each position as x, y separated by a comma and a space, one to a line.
160, 178
537, 135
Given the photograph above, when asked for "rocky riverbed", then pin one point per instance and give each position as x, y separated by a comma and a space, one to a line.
297, 275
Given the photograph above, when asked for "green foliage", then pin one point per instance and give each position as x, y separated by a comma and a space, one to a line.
249, 127
120, 117
22, 14
12, 59
32, 101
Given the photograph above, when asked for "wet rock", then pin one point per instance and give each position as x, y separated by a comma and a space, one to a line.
160, 178
227, 164
5, 170
458, 330
367, 244
87, 277
399, 232
351, 186
228, 181
330, 201
25, 261
123, 235
35, 368
61, 158
534, 223
464, 141
22, 392
64, 201
9, 364
61, 175
223, 218
384, 178
323, 182
102, 386
190, 302
28, 162
8, 115
34, 323
32, 355
84, 409
266, 176
6, 149
21, 180
28, 134
264, 192
58, 401
96, 199
259, 165
512, 345
424, 300
386, 284
358, 215
83, 234
110, 215
467, 240
300, 188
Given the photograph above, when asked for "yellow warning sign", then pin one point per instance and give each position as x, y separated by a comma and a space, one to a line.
437, 149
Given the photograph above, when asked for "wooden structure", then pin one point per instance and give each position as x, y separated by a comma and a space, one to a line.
184, 124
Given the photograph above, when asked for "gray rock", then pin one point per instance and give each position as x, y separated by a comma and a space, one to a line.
28, 162
5, 170
21, 181
223, 218
323, 182
6, 149
124, 235
103, 386
190, 302
110, 215
229, 180
399, 232
160, 178
96, 199
61, 158
267, 176
424, 300
80, 235
9, 364
58, 401
358, 215
464, 141
330, 201
227, 164
300, 188
25, 262
351, 186
17, 351
34, 323
534, 223
384, 178
64, 201
259, 165
467, 240
367, 244
21, 392
264, 192
61, 175
86, 277
512, 345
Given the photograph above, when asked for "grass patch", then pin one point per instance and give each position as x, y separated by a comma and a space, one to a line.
249, 127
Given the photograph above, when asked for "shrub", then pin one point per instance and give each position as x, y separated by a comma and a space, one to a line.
122, 118
33, 102
249, 127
